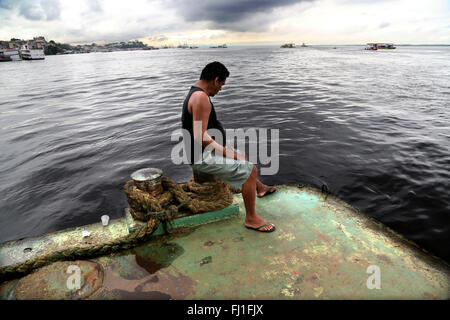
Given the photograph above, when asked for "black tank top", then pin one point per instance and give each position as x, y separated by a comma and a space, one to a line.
187, 123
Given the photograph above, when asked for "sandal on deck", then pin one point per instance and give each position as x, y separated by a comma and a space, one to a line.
264, 225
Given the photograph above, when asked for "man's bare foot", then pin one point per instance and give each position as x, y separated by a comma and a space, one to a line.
262, 190
258, 224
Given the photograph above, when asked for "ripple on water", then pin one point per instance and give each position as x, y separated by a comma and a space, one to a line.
72, 135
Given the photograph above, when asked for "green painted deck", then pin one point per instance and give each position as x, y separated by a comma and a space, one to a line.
321, 250
23, 249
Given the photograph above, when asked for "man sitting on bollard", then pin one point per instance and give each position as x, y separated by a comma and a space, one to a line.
197, 117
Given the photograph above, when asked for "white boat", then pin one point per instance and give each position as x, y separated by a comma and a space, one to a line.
31, 54
303, 45
10, 54
376, 46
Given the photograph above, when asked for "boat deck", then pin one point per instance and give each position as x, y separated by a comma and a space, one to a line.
321, 249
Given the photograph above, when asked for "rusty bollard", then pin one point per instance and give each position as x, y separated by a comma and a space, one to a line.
148, 180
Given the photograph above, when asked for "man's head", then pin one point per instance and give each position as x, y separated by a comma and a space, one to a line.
215, 74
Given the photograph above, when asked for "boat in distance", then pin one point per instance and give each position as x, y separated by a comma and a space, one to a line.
9, 54
221, 46
376, 46
31, 54
288, 45
4, 57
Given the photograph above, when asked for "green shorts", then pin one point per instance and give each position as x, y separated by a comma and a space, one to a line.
233, 172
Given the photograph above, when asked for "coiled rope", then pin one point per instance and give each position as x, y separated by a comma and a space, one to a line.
189, 197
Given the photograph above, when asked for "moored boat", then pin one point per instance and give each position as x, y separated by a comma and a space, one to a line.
10, 54
3, 57
31, 54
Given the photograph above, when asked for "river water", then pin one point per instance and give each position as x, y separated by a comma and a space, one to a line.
371, 126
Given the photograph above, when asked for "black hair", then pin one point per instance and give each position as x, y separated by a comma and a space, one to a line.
213, 70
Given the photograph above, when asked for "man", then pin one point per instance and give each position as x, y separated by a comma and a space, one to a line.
198, 116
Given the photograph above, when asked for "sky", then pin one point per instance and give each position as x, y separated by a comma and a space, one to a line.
234, 22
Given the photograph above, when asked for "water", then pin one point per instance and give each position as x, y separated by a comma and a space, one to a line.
372, 126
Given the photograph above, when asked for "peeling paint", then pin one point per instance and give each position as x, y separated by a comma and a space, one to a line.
318, 291
287, 236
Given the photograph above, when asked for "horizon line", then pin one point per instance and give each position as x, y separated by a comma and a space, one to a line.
265, 44
243, 43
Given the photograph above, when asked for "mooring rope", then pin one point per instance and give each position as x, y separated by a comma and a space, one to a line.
163, 208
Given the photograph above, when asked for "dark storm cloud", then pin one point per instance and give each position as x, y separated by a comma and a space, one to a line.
237, 15
33, 9
6, 4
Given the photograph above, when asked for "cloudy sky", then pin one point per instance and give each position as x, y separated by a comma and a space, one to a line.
159, 22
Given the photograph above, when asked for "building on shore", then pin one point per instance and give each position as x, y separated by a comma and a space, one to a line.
53, 48
38, 43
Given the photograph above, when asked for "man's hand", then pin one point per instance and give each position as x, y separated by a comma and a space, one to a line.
240, 155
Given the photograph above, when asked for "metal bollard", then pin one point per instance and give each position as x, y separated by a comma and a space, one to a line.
149, 180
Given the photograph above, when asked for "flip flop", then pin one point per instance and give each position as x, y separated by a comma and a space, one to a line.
264, 225
270, 191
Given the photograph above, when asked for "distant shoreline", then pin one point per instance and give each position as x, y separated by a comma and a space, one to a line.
343, 45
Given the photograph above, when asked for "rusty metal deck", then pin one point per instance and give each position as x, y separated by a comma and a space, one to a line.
321, 249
